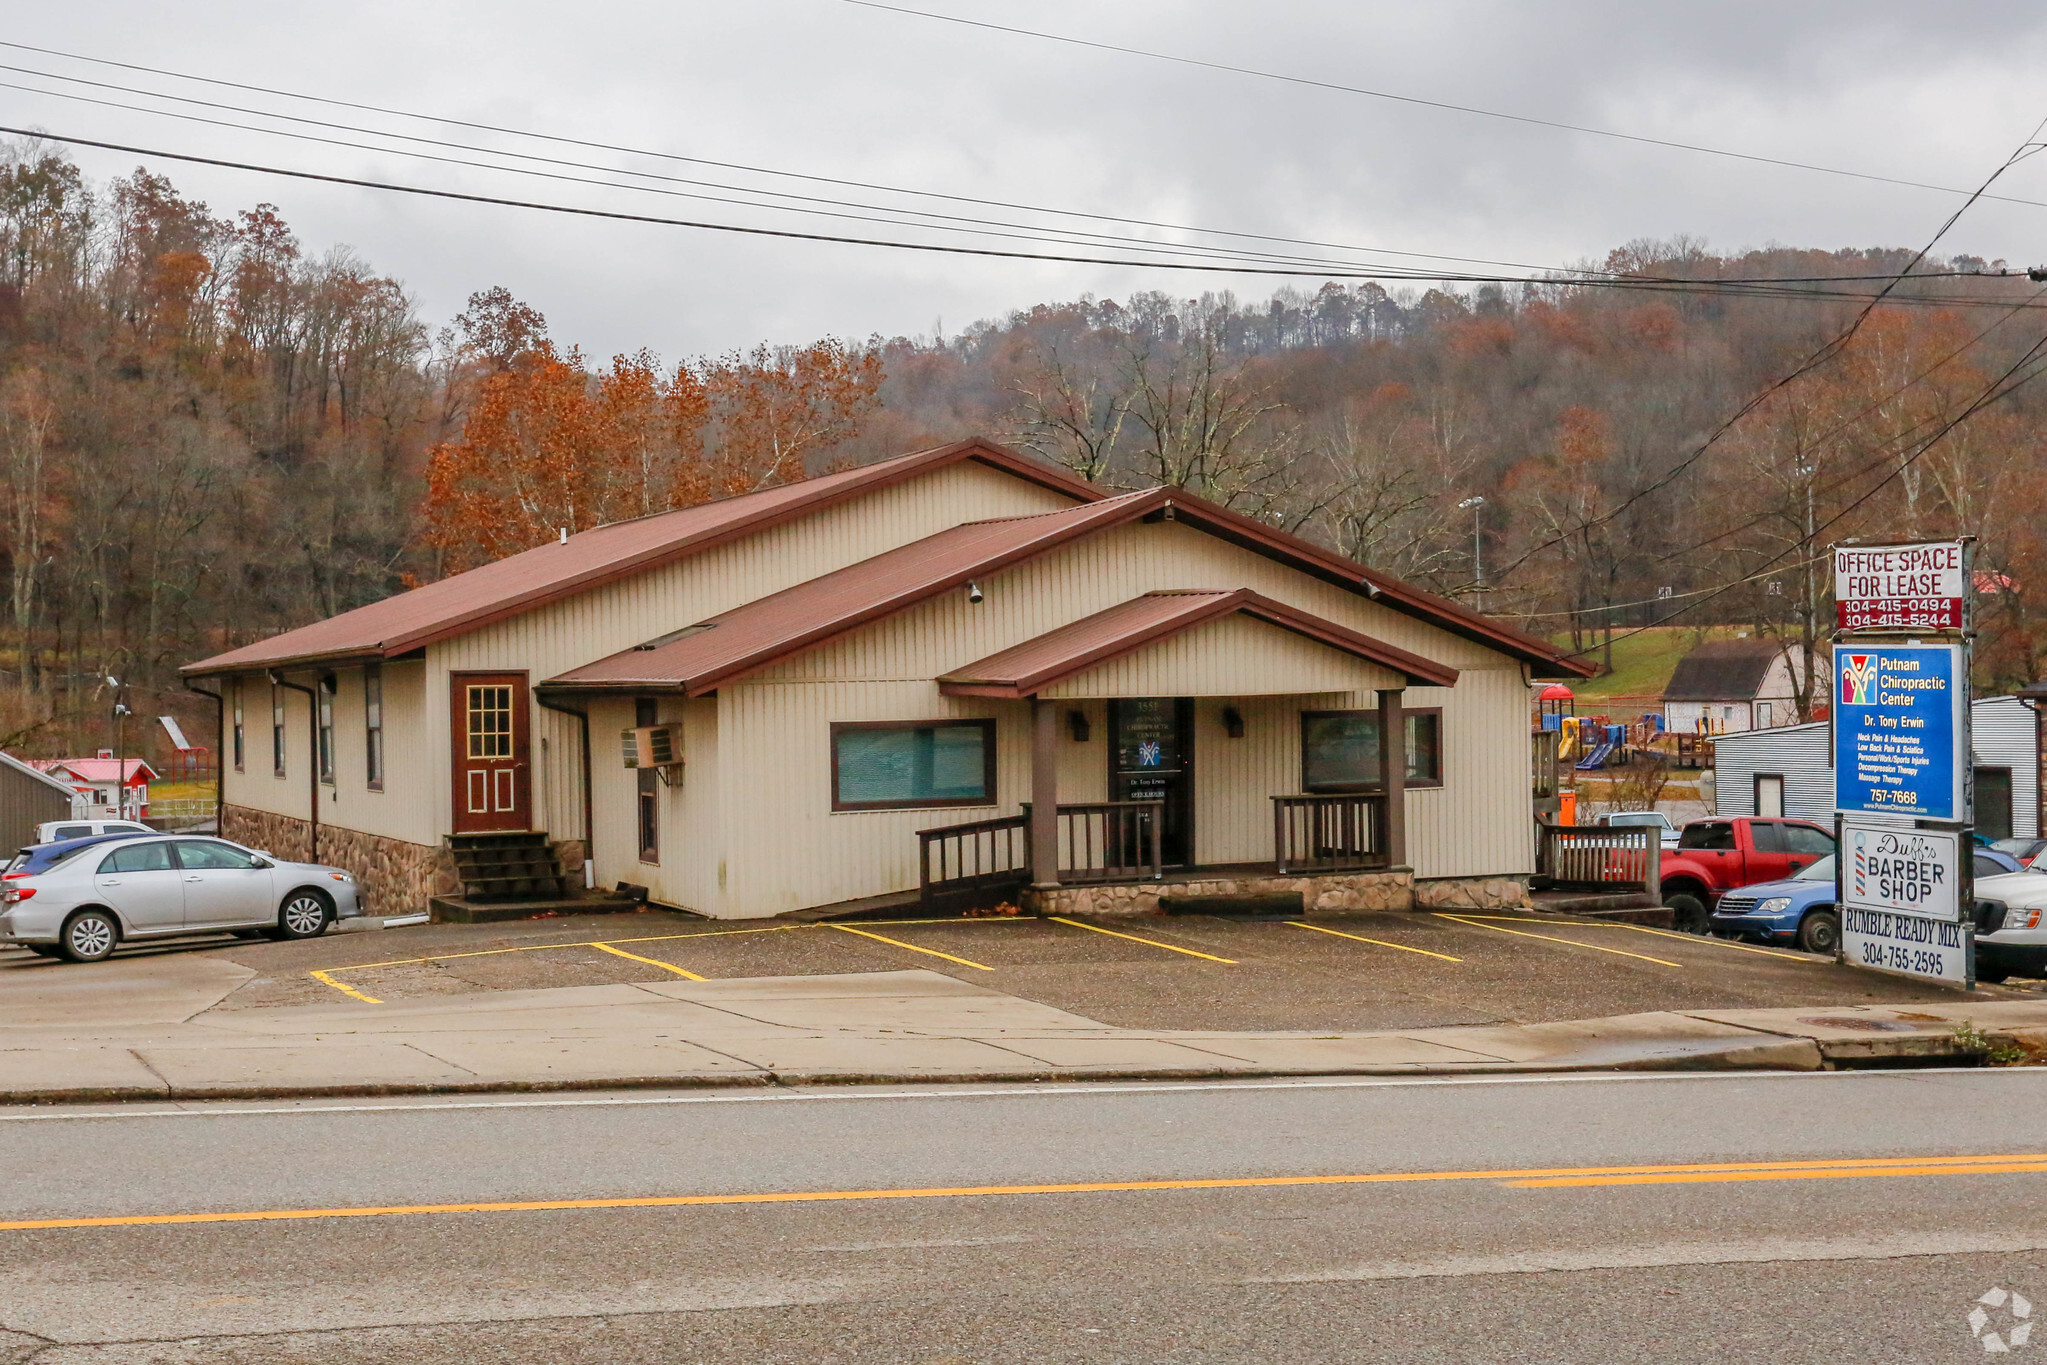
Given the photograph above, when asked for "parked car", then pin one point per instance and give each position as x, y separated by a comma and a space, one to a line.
1801, 909
1715, 856
2024, 850
1626, 818
80, 898
2010, 939
52, 831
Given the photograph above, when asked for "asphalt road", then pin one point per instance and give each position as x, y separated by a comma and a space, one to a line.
1496, 1228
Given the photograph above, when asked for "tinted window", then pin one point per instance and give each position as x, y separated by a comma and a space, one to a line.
152, 857
1821, 871
948, 762
1989, 867
1708, 835
1767, 838
1806, 839
198, 853
116, 827
71, 832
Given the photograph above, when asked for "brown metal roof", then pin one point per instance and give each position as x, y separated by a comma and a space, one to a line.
546, 573
760, 633
1057, 655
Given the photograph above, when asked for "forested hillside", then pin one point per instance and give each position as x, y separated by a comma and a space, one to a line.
210, 431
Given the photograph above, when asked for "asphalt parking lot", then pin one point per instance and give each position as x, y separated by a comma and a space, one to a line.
1185, 971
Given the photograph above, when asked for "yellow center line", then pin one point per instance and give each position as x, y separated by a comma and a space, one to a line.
1544, 1177
898, 943
1169, 947
1841, 1173
1380, 941
346, 989
651, 962
1704, 940
1551, 938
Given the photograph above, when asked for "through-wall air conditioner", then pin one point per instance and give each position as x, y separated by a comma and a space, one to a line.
655, 746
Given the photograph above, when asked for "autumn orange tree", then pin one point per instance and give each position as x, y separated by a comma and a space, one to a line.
548, 446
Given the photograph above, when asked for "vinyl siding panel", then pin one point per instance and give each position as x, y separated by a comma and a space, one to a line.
25, 802
1477, 824
558, 637
257, 787
1235, 656
786, 849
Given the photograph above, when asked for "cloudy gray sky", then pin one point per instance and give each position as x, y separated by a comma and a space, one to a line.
1939, 93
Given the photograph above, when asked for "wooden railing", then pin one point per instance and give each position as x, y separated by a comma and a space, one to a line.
1111, 841
1345, 833
1101, 841
1620, 857
973, 860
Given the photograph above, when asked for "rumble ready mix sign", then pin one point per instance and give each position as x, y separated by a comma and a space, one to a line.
1899, 728
1899, 587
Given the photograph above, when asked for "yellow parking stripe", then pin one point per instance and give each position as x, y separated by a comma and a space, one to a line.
345, 988
1379, 941
1169, 947
1705, 940
579, 943
898, 943
651, 962
1551, 938
1837, 1169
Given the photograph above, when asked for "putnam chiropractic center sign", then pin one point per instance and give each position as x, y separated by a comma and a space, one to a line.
1899, 729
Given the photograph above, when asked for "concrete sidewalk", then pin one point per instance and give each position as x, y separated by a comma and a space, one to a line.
901, 1026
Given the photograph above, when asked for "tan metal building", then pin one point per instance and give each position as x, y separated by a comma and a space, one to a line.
771, 703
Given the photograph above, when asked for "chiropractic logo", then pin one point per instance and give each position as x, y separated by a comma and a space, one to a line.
1858, 679
1149, 753
2018, 1328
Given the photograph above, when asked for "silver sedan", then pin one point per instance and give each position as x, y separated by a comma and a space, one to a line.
79, 903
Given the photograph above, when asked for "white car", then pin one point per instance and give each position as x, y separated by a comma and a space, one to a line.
1667, 833
2016, 904
79, 899
50, 831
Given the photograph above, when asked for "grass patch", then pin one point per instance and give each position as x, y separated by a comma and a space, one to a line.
1643, 662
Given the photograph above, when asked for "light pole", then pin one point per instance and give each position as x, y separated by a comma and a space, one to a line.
120, 774
1476, 504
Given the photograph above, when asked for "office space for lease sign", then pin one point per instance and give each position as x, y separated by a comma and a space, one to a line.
1899, 587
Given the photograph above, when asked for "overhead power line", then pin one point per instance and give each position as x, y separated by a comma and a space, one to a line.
898, 215
1418, 100
1337, 272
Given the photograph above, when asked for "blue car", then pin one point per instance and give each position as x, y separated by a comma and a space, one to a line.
1801, 909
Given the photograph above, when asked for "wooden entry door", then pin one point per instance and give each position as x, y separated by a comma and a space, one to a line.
1151, 758
491, 729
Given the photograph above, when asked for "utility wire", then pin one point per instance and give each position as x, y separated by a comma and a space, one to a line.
789, 234
1773, 283
1825, 353
1998, 390
732, 165
1422, 102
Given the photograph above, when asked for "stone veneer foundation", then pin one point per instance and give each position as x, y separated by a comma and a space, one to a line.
397, 877
1327, 895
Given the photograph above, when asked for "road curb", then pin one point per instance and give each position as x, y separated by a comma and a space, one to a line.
1785, 1055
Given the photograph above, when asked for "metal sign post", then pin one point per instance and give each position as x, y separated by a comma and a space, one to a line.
1904, 794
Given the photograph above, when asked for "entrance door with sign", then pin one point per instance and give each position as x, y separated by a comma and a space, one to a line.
1151, 758
493, 787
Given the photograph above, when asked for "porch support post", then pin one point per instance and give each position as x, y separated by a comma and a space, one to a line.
1393, 772
1044, 794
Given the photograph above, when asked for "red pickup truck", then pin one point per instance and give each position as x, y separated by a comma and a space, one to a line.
1717, 855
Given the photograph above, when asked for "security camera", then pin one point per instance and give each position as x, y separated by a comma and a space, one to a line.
974, 594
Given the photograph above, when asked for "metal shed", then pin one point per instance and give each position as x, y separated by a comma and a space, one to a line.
1754, 766
27, 799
